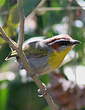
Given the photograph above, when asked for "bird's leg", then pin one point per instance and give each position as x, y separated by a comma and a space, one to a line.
43, 92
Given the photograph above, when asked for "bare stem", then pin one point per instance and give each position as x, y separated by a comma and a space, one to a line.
45, 9
41, 3
21, 25
12, 43
37, 7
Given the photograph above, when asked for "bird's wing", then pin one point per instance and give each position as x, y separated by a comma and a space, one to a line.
35, 47
31, 40
26, 46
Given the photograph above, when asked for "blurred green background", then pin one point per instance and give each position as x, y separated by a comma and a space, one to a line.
53, 17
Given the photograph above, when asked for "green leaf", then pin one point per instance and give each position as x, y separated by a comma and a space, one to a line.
2, 2
3, 98
29, 6
13, 15
45, 78
47, 108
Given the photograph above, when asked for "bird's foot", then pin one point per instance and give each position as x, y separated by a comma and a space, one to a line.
43, 92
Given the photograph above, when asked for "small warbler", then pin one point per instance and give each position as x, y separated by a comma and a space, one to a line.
45, 55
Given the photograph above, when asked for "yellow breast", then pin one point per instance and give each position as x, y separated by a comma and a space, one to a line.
57, 57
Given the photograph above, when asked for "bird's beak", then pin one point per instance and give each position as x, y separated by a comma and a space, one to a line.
74, 42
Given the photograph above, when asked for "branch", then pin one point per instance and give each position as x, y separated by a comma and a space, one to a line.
21, 25
37, 7
45, 9
12, 43
41, 3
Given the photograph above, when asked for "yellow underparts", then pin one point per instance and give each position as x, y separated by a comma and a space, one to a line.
57, 57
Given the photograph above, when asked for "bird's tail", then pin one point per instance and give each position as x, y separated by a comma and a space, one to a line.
12, 54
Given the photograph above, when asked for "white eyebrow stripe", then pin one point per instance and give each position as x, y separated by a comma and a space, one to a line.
57, 41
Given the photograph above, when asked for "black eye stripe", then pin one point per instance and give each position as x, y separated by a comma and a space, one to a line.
60, 42
63, 42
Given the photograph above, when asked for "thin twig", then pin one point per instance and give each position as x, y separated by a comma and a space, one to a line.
41, 3
40, 8
57, 9
21, 24
12, 43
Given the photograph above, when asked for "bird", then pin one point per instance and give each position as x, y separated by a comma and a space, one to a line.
46, 55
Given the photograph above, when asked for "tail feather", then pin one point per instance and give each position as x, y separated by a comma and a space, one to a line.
12, 54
